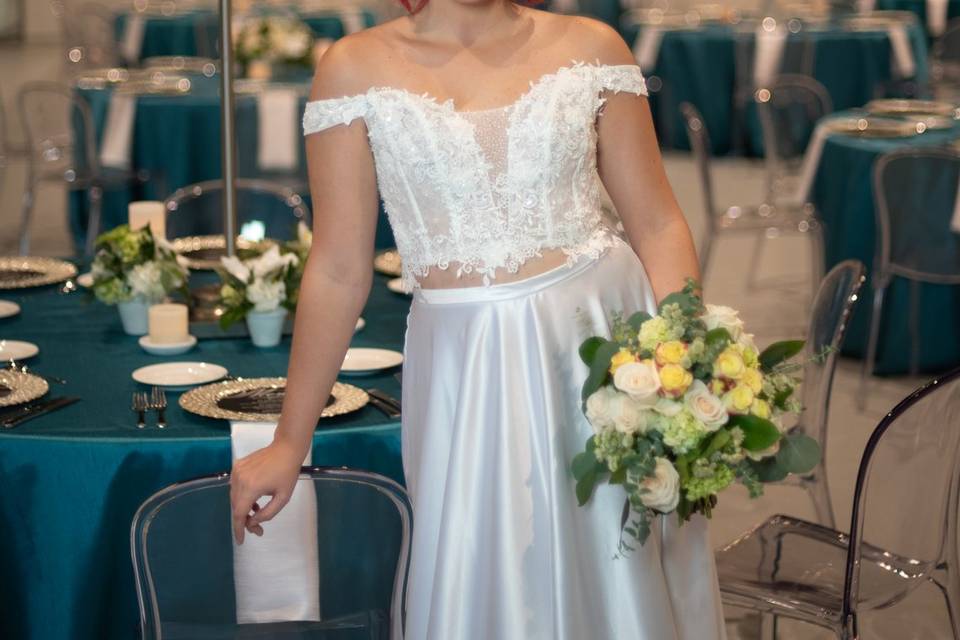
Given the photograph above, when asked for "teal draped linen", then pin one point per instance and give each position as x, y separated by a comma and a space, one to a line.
699, 66
844, 197
72, 480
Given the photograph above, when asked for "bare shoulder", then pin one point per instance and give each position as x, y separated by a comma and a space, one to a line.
355, 62
588, 39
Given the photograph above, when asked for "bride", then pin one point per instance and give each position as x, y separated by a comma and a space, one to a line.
488, 129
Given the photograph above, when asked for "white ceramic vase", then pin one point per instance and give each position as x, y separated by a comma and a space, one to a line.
266, 327
134, 316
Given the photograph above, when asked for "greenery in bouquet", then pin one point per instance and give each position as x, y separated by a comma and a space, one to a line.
275, 39
259, 280
133, 265
682, 406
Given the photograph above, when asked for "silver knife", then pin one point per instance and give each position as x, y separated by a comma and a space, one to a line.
37, 409
384, 397
387, 408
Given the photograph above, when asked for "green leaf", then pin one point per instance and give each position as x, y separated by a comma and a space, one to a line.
717, 442
689, 303
232, 316
779, 352
589, 349
599, 368
768, 470
781, 397
619, 476
638, 319
586, 484
798, 453
586, 470
717, 336
759, 434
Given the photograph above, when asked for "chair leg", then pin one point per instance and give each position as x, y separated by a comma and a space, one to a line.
756, 256
705, 250
869, 361
768, 626
95, 197
819, 491
26, 215
818, 255
953, 606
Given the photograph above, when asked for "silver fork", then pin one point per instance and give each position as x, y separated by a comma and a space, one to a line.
140, 406
158, 402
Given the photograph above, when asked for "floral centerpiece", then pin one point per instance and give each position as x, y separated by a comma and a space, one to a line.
263, 43
132, 269
261, 288
683, 405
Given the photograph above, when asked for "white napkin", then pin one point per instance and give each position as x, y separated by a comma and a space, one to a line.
937, 16
646, 48
903, 60
565, 6
955, 222
118, 131
811, 162
277, 115
768, 56
352, 19
132, 44
277, 576
866, 6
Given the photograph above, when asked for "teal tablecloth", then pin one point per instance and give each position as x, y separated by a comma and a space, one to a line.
843, 195
73, 479
699, 66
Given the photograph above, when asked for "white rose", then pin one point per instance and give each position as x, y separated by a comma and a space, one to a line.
144, 282
599, 408
629, 416
746, 341
271, 262
266, 296
639, 380
663, 489
706, 407
235, 267
721, 317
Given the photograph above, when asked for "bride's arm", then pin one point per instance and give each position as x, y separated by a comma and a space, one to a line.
631, 169
334, 290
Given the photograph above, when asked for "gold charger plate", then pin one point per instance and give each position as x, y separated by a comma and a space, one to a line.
22, 272
159, 84
388, 263
181, 64
207, 400
17, 387
203, 253
875, 127
895, 107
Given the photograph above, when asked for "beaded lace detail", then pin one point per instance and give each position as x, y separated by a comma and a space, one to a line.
482, 191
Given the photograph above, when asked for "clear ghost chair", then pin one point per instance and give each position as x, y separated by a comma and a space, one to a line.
916, 191
903, 529
763, 220
62, 147
89, 35
265, 210
945, 54
829, 317
354, 534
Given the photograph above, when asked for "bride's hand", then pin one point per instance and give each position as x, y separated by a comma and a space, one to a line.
271, 471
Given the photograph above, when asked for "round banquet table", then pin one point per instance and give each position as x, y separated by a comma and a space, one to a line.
74, 478
177, 35
843, 194
700, 66
919, 7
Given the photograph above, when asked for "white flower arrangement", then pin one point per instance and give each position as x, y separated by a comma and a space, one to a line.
133, 265
261, 283
274, 39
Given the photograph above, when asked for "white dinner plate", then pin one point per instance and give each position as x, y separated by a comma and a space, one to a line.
360, 362
167, 348
179, 374
396, 285
361, 323
17, 350
8, 309
85, 280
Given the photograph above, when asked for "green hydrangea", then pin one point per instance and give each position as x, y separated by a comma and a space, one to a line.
659, 329
612, 446
112, 291
708, 478
681, 432
231, 297
733, 453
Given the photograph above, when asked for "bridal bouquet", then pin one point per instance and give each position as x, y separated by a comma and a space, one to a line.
134, 266
683, 405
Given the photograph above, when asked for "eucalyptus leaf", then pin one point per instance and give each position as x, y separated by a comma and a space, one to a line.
599, 368
717, 336
798, 453
588, 350
688, 302
768, 470
779, 352
638, 319
758, 433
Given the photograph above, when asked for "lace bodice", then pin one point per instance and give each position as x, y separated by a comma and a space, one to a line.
486, 191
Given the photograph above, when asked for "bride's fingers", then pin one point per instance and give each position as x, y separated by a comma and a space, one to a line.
271, 509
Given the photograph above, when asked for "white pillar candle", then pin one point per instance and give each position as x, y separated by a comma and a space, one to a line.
168, 323
148, 212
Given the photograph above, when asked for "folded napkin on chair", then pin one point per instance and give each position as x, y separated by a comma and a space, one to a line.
278, 125
277, 576
955, 221
937, 16
352, 19
903, 60
132, 44
646, 48
811, 162
115, 150
768, 56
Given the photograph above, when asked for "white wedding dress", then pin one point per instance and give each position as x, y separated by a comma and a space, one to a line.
491, 410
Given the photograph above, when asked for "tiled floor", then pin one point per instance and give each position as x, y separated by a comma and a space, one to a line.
771, 314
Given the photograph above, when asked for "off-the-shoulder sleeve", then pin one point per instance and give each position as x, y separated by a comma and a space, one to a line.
622, 77
323, 114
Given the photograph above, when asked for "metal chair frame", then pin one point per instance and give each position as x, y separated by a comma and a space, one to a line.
150, 624
885, 269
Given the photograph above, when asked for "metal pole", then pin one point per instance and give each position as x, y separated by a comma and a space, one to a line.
228, 130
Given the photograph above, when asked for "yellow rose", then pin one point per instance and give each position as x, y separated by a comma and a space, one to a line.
671, 352
621, 358
729, 364
717, 387
740, 398
675, 379
753, 379
751, 357
760, 408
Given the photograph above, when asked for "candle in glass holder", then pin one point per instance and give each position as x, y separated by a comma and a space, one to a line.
168, 323
148, 212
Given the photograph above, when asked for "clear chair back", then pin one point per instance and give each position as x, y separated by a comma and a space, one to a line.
91, 35
946, 53
829, 316
184, 559
700, 145
264, 210
916, 192
59, 128
789, 110
905, 499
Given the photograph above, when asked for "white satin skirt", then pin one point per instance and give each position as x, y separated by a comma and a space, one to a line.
491, 422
